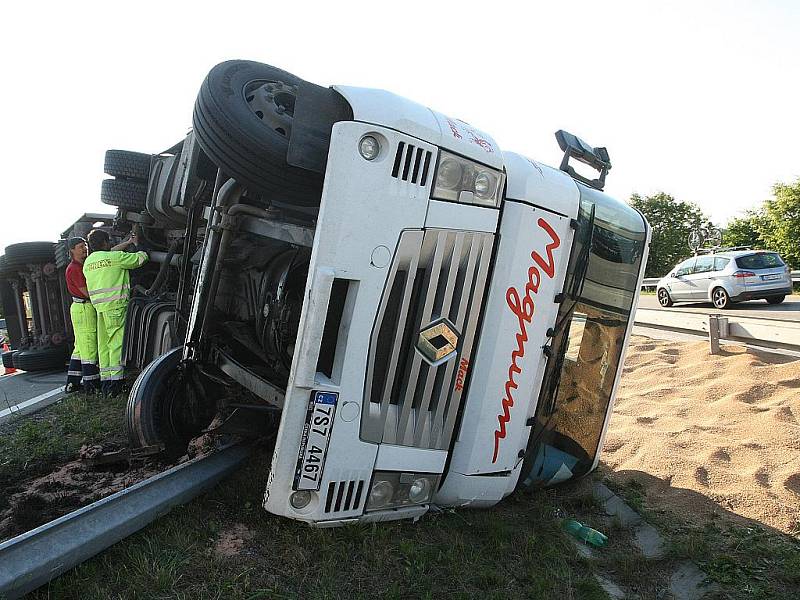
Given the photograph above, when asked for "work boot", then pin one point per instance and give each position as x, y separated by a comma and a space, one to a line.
71, 388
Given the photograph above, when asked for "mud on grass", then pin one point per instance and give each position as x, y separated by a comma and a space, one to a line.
40, 476
224, 545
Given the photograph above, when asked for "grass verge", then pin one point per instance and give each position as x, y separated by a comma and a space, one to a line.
223, 545
32, 445
747, 561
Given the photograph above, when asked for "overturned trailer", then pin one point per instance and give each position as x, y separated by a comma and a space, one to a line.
418, 316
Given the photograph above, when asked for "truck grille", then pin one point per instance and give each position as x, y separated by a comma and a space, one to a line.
435, 274
411, 164
343, 496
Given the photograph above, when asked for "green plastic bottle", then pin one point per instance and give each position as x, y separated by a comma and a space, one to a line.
587, 534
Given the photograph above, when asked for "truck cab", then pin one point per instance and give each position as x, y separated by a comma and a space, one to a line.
418, 316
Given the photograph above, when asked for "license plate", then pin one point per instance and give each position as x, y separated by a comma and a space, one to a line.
314, 441
770, 277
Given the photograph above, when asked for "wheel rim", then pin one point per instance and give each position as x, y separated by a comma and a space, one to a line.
273, 103
663, 298
719, 298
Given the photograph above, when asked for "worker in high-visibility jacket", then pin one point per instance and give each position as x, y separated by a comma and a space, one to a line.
108, 282
82, 372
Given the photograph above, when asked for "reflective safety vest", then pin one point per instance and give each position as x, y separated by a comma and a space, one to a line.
107, 277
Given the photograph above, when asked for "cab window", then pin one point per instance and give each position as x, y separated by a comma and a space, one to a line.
704, 264
720, 263
684, 268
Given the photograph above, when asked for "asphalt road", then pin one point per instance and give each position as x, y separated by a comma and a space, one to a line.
788, 310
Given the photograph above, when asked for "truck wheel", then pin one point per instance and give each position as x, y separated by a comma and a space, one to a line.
19, 255
5, 271
124, 193
127, 165
8, 359
776, 299
167, 405
243, 119
41, 359
62, 254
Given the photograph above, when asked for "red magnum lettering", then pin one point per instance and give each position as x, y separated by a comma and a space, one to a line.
463, 366
523, 308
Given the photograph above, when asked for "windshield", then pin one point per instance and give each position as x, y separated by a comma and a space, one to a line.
763, 260
588, 340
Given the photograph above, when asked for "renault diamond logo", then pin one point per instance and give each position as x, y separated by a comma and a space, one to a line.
438, 342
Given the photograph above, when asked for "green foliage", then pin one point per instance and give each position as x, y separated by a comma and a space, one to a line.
672, 222
773, 226
781, 231
745, 231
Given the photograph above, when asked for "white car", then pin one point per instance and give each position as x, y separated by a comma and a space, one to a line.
727, 277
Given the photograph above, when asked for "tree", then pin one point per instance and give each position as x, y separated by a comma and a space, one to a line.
672, 222
746, 230
781, 231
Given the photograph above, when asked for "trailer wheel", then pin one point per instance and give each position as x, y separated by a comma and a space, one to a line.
243, 119
127, 165
124, 193
41, 359
22, 254
167, 405
5, 271
8, 359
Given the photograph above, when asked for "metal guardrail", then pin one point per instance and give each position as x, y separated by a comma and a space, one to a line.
650, 282
37, 556
768, 333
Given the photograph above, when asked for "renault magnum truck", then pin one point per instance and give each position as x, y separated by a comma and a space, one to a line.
418, 316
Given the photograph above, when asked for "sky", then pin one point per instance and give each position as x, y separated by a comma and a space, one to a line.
697, 99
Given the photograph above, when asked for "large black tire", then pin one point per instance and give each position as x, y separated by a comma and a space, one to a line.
62, 254
8, 359
776, 299
20, 255
164, 407
124, 193
127, 165
5, 271
42, 359
247, 143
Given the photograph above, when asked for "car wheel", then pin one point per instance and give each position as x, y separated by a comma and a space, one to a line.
776, 299
25, 253
720, 298
243, 120
41, 359
663, 298
124, 193
167, 405
127, 165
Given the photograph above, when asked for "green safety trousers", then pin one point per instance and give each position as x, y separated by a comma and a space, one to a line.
84, 356
110, 331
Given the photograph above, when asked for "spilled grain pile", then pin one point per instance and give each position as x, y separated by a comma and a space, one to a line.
692, 427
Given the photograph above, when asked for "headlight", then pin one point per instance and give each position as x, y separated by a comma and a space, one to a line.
392, 489
461, 180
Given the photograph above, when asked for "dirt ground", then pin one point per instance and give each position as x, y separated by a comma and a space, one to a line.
706, 434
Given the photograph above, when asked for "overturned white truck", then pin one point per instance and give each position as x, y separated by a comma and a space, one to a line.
418, 316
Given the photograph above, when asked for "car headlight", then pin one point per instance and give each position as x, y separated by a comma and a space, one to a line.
390, 489
461, 180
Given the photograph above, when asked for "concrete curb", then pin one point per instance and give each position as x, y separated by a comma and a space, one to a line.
687, 581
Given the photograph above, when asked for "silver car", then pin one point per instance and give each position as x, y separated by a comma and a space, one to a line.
727, 277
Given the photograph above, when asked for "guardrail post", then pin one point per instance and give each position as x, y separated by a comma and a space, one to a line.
714, 333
